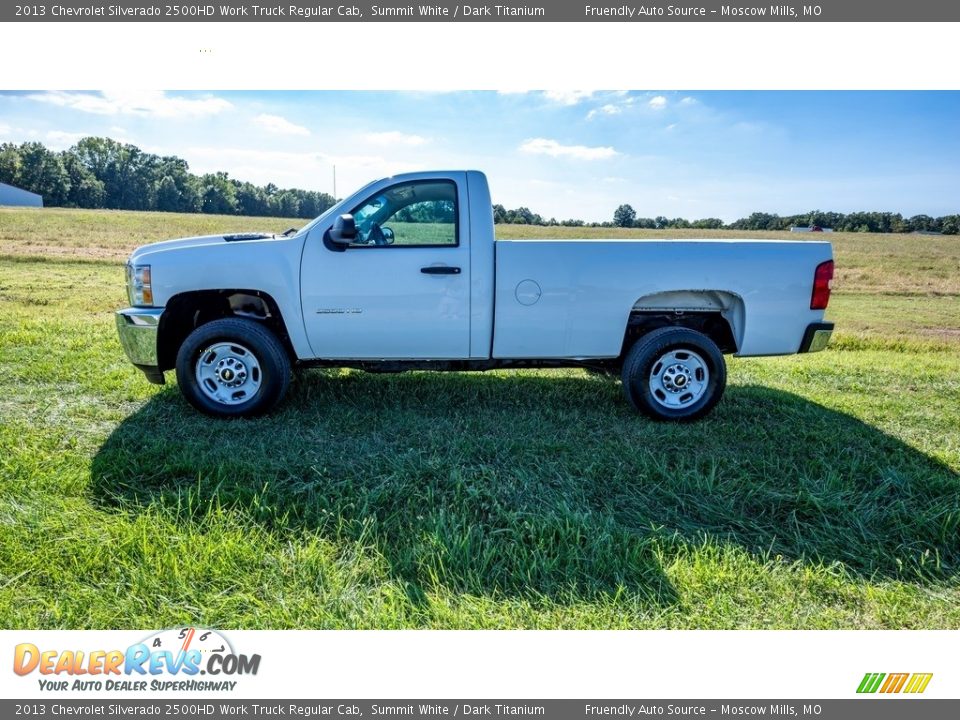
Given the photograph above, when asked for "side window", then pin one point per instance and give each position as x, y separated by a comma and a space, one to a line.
411, 214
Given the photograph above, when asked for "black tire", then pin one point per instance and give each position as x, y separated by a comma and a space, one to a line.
273, 371
641, 361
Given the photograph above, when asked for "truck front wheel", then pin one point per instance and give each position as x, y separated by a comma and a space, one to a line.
674, 373
233, 367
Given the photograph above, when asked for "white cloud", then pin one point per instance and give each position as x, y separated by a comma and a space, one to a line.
150, 103
672, 126
658, 102
544, 146
60, 140
568, 97
564, 97
308, 170
279, 125
689, 101
5, 130
608, 109
395, 137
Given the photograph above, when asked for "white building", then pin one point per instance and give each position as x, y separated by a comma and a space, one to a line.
10, 195
810, 228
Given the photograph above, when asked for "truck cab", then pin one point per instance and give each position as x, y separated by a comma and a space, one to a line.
416, 280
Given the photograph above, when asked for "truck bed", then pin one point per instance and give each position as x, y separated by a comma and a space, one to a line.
572, 298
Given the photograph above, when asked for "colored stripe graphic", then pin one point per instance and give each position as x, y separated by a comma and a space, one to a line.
870, 682
895, 682
918, 682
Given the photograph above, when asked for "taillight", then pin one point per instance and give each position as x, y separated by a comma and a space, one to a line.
822, 280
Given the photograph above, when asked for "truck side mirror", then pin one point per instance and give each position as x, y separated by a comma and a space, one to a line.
344, 230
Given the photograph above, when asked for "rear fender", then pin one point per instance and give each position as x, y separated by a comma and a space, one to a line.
729, 305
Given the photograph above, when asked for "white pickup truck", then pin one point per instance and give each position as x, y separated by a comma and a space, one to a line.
405, 274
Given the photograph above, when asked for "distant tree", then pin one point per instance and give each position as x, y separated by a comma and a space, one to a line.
190, 198
186, 184
321, 203
88, 193
898, 224
923, 222
42, 172
950, 225
96, 153
99, 157
309, 204
285, 204
128, 174
759, 221
168, 195
816, 218
708, 224
251, 200
218, 194
523, 216
624, 216
85, 189
10, 164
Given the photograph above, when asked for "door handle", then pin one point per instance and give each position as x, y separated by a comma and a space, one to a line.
440, 270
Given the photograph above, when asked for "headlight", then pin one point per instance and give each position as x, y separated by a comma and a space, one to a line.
139, 290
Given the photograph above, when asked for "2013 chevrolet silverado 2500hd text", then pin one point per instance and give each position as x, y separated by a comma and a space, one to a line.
405, 274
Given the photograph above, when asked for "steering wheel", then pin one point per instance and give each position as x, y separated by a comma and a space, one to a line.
379, 235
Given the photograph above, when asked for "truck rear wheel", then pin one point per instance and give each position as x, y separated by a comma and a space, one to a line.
233, 367
674, 373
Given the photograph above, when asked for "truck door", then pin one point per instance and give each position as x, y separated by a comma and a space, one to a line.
401, 289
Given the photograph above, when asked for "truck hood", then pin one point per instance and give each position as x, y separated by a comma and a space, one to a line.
201, 241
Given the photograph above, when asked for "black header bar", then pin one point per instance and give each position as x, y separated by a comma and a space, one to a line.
449, 11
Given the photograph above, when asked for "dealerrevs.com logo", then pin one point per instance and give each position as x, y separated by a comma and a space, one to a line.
892, 683
168, 660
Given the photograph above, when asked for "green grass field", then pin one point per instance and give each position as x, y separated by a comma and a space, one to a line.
824, 492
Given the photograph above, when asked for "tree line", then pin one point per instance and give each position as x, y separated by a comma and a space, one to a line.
99, 172
875, 222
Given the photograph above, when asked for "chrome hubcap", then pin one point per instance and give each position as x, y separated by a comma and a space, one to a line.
678, 378
228, 373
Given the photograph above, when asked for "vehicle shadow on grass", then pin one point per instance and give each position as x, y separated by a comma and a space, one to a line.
544, 485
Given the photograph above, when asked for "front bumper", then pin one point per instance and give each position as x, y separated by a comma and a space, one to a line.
137, 328
816, 337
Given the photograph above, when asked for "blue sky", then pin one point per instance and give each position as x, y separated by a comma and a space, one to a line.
561, 153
